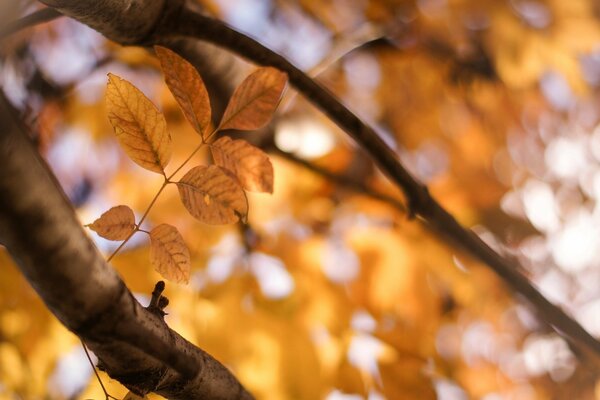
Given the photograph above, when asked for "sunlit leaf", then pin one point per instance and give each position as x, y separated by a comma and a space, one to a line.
212, 196
133, 396
168, 253
249, 164
254, 101
188, 88
140, 127
115, 224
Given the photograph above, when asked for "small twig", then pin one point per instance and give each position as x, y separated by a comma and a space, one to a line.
35, 18
87, 354
158, 302
341, 180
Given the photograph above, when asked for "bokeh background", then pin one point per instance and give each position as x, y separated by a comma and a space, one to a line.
329, 293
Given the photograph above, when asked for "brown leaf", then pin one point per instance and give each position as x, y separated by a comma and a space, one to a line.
212, 196
115, 224
187, 87
168, 253
140, 127
254, 101
249, 164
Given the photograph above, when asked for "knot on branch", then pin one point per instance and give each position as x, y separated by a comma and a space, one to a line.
158, 302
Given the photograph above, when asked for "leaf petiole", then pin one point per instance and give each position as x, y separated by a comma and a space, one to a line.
142, 219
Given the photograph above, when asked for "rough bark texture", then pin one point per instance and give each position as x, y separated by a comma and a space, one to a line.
39, 228
124, 21
42, 254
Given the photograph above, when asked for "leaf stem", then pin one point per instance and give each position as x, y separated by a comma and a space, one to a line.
137, 226
87, 354
186, 161
165, 183
204, 142
217, 129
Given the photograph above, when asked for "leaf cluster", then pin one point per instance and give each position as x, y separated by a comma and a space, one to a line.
213, 194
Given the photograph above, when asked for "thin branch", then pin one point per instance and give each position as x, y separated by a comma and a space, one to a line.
192, 25
341, 180
87, 354
170, 20
38, 17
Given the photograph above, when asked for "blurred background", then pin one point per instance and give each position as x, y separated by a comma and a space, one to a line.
329, 292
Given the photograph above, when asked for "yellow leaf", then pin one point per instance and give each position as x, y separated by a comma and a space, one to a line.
212, 196
168, 253
187, 87
115, 224
140, 127
248, 163
133, 396
254, 101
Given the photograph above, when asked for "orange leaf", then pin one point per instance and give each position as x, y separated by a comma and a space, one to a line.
187, 87
139, 126
133, 396
248, 163
212, 196
115, 224
168, 253
254, 101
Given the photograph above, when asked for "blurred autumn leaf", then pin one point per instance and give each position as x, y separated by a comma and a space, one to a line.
328, 292
133, 396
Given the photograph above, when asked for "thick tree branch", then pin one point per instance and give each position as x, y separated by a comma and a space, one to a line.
122, 22
39, 228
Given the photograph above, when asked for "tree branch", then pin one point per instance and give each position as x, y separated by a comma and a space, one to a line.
190, 24
39, 228
343, 181
35, 18
146, 22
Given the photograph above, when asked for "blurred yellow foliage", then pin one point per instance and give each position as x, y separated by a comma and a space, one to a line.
327, 290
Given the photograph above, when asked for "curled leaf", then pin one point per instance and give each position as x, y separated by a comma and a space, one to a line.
248, 163
187, 87
168, 253
140, 127
212, 196
253, 103
115, 224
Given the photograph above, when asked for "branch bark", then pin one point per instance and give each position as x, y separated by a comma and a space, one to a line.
39, 228
186, 23
146, 22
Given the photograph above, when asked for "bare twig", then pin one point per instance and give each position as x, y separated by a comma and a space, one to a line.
87, 354
38, 17
341, 180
